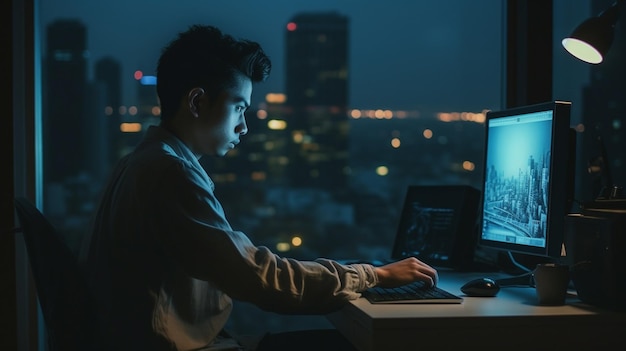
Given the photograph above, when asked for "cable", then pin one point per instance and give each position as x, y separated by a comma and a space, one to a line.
517, 264
524, 279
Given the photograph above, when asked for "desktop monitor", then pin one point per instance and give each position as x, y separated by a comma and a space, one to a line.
528, 179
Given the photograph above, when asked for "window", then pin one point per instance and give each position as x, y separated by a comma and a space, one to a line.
394, 95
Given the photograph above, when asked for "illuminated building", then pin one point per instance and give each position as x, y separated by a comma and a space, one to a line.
317, 96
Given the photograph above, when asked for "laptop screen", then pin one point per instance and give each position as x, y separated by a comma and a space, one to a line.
438, 224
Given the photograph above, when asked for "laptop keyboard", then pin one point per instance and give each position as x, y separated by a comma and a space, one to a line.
416, 292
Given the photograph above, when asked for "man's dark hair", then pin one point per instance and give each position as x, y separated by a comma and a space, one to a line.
205, 57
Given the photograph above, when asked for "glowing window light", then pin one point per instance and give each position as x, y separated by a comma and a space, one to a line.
130, 127
258, 176
616, 124
427, 133
401, 114
395, 143
132, 110
276, 98
468, 165
355, 113
296, 241
283, 247
269, 145
382, 171
148, 80
276, 124
156, 110
298, 137
261, 114
446, 116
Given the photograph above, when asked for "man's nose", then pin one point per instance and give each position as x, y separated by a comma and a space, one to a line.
243, 128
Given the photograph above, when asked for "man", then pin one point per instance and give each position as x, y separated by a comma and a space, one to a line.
162, 259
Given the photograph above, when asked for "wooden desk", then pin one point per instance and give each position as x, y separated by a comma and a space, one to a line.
509, 321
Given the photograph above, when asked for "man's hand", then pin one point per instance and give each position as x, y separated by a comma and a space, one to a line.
406, 271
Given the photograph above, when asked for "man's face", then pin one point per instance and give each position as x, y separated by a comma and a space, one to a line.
221, 121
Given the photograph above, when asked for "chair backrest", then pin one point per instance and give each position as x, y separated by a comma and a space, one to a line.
61, 286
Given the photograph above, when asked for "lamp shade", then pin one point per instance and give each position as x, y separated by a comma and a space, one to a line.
592, 39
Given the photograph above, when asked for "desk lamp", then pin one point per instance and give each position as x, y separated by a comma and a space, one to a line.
591, 40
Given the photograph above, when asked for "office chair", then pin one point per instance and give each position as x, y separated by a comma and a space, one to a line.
60, 284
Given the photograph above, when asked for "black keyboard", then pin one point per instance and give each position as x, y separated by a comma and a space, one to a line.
416, 292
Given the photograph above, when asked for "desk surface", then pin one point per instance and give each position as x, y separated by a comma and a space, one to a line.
512, 320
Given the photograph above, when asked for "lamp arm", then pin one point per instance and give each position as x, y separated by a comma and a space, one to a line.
611, 14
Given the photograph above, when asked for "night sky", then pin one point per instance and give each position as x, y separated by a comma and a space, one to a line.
404, 54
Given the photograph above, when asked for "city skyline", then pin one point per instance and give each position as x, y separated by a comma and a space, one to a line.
397, 74
312, 153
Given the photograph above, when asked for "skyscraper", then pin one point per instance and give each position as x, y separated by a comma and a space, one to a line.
64, 100
108, 72
317, 60
317, 96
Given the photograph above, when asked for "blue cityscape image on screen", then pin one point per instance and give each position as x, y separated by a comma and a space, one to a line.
515, 208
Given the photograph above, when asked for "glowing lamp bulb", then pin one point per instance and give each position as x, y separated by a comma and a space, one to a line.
582, 50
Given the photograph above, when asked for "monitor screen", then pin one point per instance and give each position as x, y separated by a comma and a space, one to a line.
528, 178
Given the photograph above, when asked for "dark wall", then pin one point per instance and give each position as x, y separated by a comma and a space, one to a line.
7, 240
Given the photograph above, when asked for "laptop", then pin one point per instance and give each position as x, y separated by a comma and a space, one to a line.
438, 226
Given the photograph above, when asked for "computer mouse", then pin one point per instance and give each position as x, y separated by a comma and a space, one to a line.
482, 287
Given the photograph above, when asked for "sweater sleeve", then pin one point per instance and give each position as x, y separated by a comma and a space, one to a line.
194, 232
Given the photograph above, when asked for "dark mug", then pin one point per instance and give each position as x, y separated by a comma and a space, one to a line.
551, 282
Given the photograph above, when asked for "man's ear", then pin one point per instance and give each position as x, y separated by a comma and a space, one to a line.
193, 100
